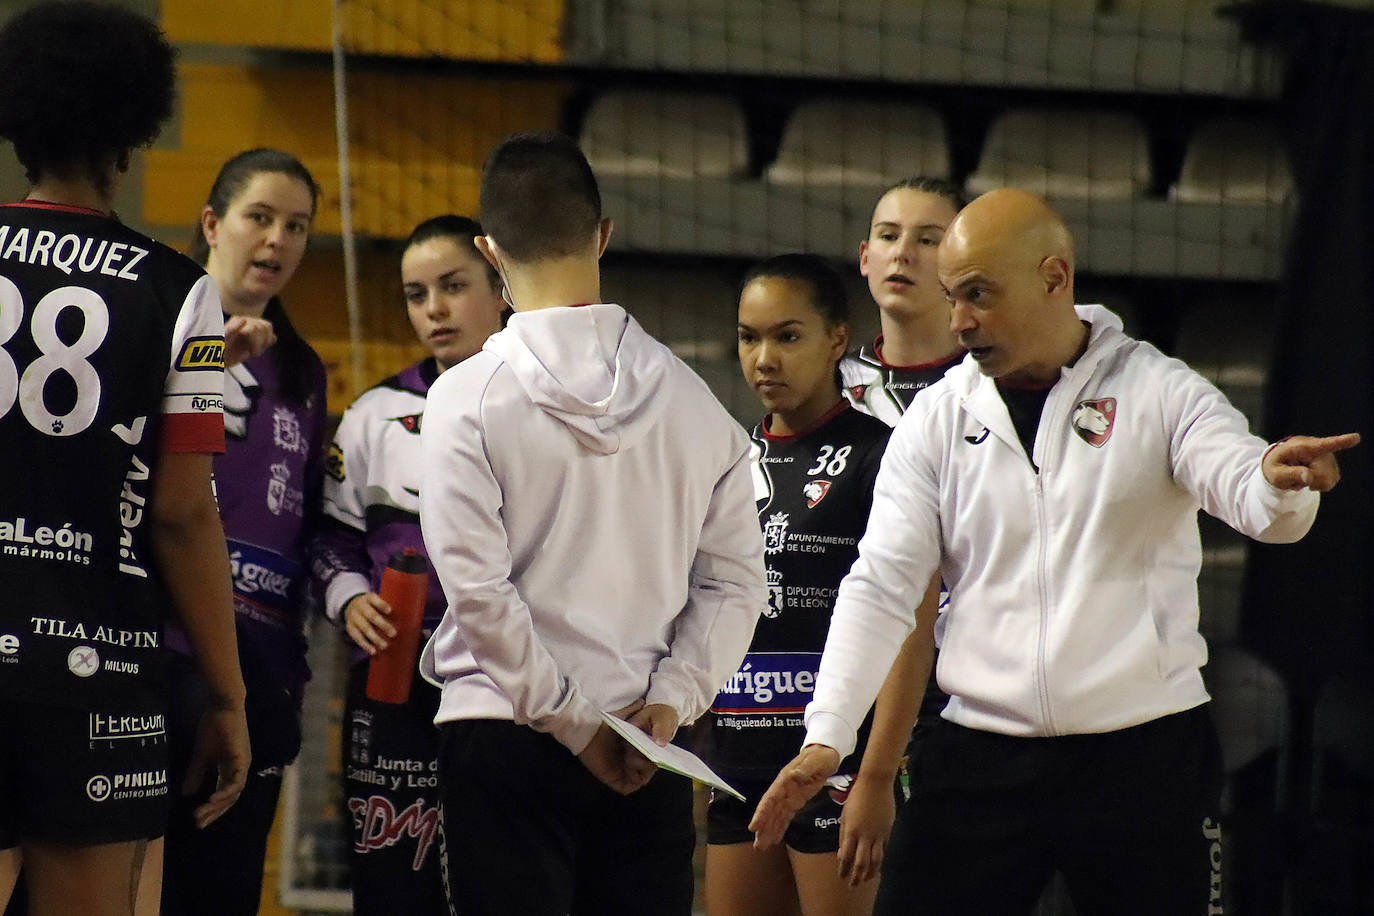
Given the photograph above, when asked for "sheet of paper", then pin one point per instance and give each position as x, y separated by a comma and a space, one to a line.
671, 758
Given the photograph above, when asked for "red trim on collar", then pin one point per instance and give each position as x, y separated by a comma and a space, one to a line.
49, 205
840, 407
933, 364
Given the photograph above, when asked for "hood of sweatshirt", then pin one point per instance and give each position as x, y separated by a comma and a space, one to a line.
592, 368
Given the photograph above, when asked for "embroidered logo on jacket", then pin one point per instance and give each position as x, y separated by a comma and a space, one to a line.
411, 423
1093, 421
815, 491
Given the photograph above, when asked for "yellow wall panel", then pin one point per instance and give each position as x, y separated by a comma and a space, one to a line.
297, 24
226, 107
177, 183
527, 31
416, 142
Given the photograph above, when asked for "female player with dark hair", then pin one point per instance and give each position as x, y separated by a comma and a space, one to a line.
110, 388
371, 502
251, 237
814, 461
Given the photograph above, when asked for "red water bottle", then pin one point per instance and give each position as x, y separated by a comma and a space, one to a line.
405, 584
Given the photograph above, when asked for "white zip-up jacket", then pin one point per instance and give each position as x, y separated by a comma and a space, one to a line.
1073, 591
587, 504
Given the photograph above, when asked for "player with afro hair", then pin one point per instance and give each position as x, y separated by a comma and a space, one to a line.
85, 85
129, 336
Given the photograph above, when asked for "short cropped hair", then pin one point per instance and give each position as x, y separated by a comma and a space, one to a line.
84, 85
539, 198
828, 294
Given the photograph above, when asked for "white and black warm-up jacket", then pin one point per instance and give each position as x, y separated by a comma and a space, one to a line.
1073, 590
588, 507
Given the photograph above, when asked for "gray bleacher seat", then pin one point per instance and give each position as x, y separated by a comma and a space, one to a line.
1097, 155
638, 133
1234, 161
866, 144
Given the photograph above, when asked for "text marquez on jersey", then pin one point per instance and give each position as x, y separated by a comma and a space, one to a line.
71, 252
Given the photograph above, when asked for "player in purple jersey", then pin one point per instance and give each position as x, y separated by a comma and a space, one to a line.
110, 381
814, 462
251, 237
881, 378
371, 503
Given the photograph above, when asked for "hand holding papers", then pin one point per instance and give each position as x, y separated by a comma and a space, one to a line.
671, 758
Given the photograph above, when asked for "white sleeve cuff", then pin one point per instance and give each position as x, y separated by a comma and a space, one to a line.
832, 731
576, 726
343, 588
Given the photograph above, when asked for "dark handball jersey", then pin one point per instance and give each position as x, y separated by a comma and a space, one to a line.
885, 392
111, 353
814, 491
372, 492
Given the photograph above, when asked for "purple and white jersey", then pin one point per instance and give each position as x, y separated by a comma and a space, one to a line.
267, 483
372, 492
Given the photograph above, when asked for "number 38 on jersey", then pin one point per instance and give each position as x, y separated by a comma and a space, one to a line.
32, 385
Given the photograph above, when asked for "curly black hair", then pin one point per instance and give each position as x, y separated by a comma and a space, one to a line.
84, 85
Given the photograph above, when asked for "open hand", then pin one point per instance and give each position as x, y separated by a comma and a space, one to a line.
793, 787
865, 824
221, 741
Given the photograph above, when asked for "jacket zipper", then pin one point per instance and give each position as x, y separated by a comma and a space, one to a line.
1041, 665
1042, 565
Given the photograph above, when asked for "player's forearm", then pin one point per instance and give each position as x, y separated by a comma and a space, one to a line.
899, 700
895, 711
193, 561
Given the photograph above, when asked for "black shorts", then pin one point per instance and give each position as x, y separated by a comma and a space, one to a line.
80, 778
391, 784
815, 828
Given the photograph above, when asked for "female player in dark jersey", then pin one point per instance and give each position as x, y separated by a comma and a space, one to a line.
110, 388
251, 237
912, 352
371, 503
815, 460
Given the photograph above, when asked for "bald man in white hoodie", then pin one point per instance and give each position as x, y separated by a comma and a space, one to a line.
587, 504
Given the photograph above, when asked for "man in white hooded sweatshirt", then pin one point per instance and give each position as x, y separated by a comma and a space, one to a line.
587, 504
